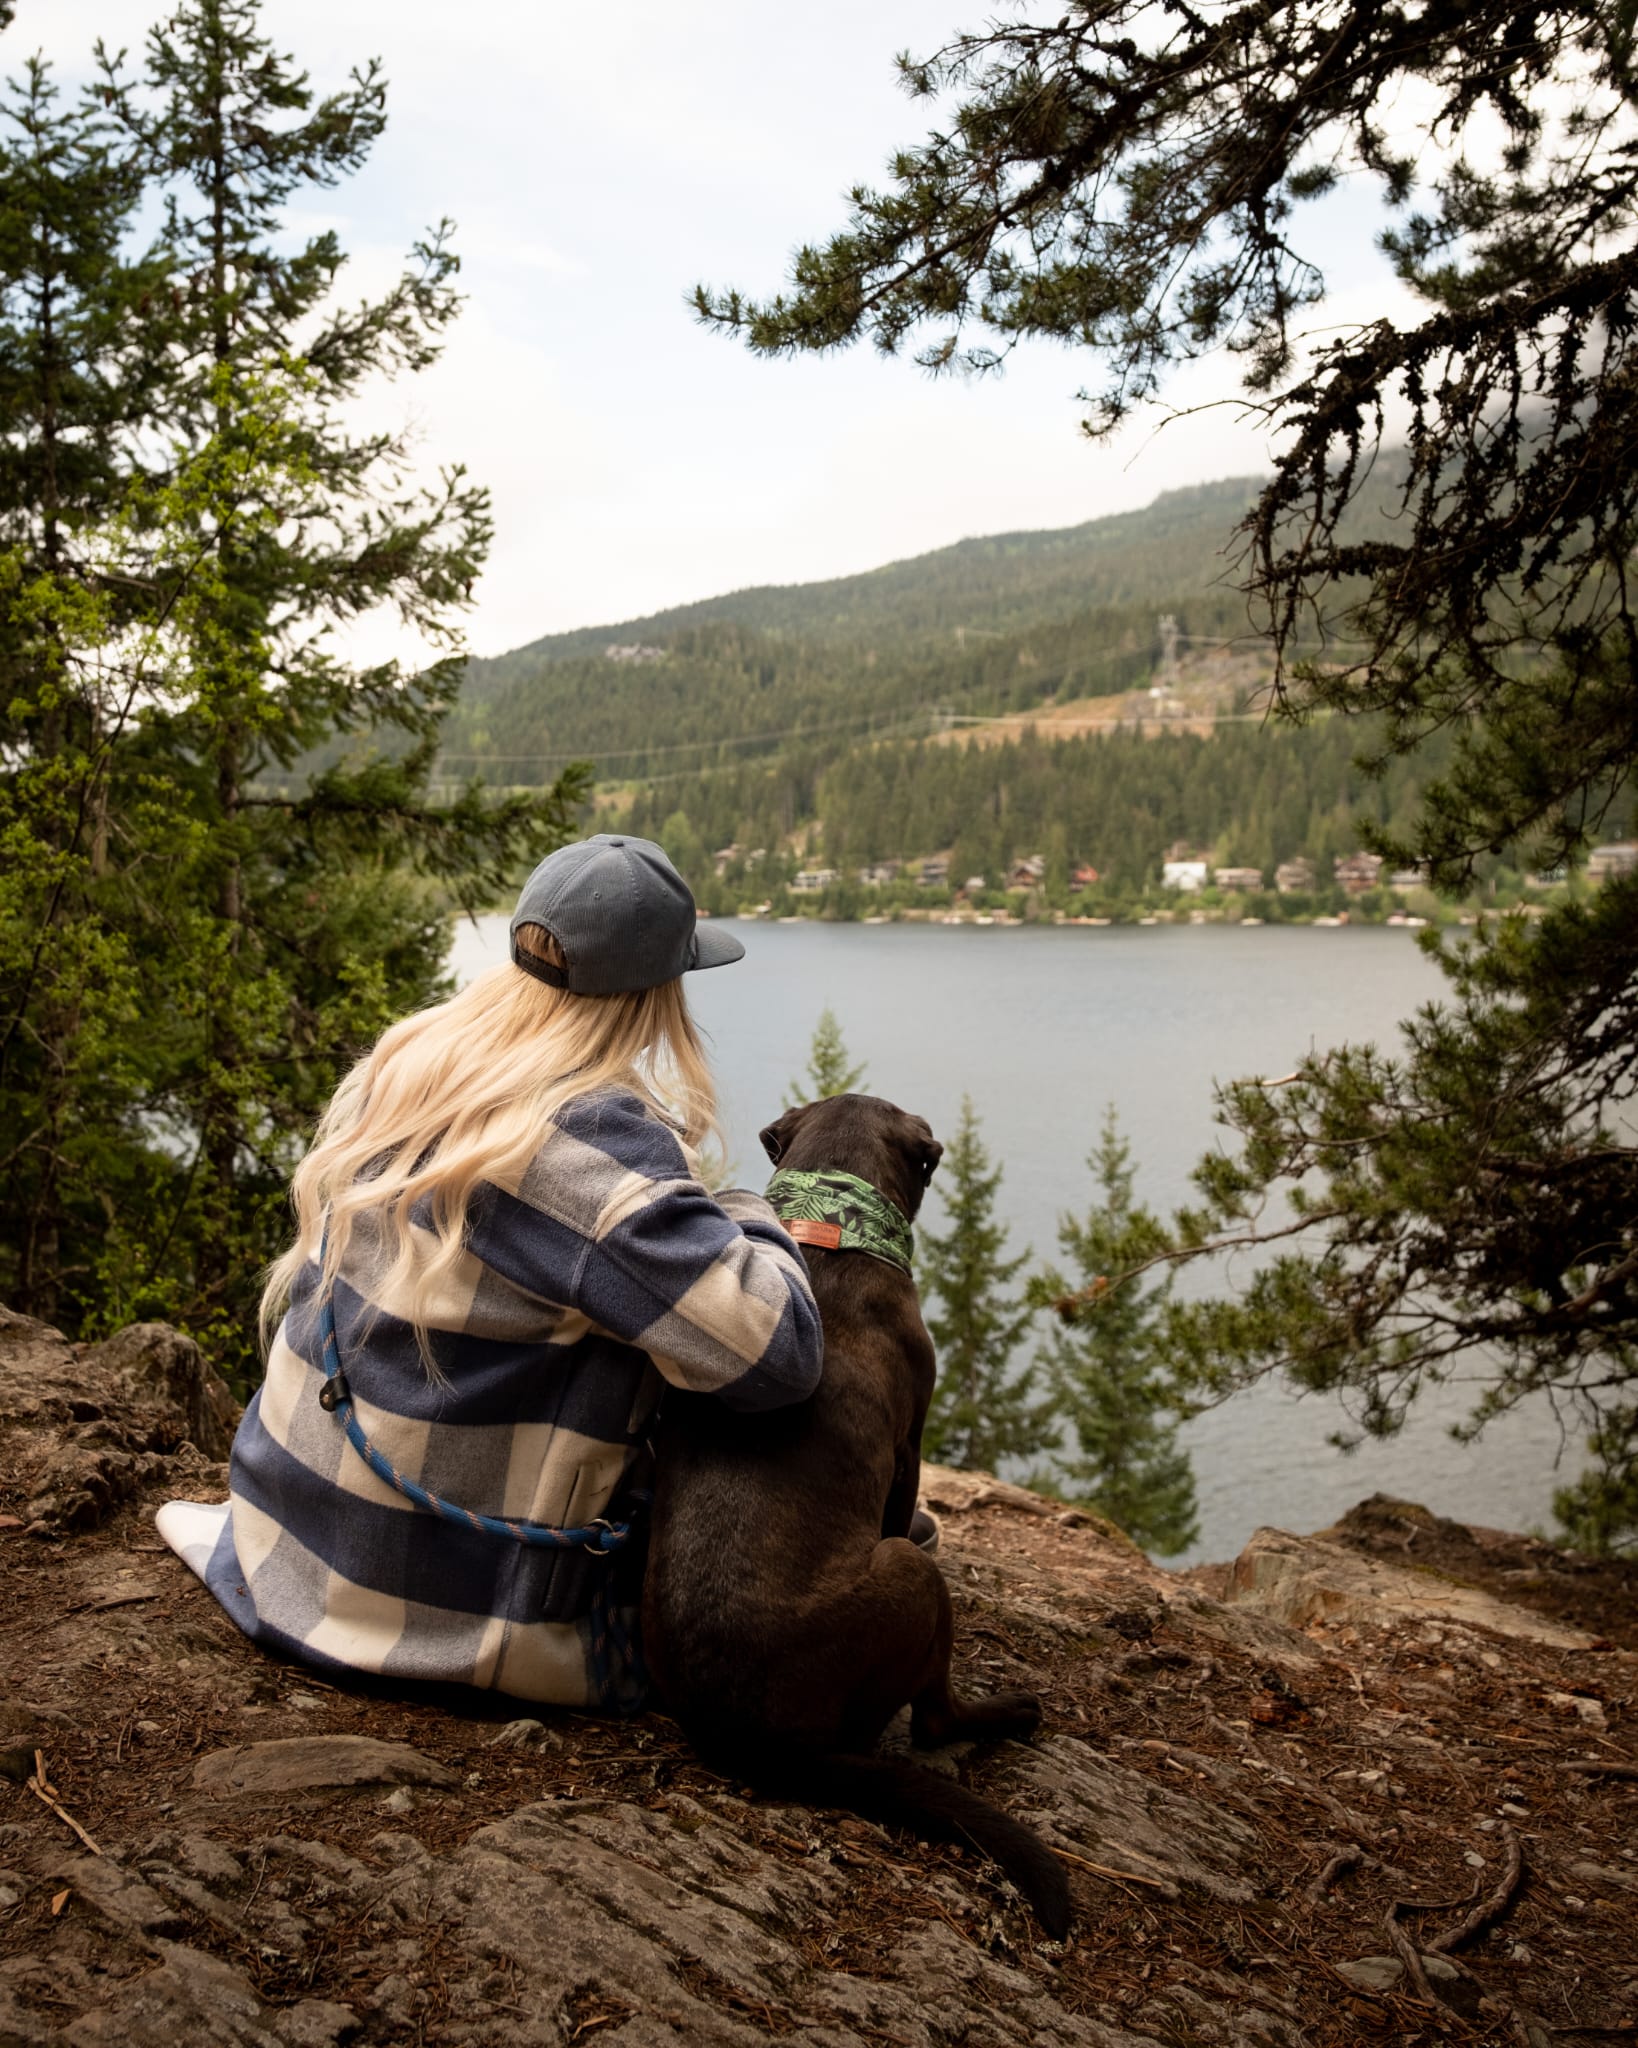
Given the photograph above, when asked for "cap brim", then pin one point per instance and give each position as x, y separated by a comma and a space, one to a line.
714, 946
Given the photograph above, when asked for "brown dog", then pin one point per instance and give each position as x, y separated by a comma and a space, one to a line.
785, 1618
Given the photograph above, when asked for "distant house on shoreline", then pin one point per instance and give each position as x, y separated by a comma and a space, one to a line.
1294, 877
1357, 872
1620, 857
810, 881
1187, 875
1238, 878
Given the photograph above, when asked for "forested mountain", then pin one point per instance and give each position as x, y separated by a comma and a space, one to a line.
988, 625
1003, 580
812, 722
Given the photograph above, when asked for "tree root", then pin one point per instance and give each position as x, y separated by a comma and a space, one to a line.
1339, 1866
1409, 1954
1488, 1908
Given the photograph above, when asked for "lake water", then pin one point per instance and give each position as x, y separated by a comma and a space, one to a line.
1042, 1027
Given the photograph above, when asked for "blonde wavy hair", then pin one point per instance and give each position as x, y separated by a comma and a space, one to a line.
463, 1093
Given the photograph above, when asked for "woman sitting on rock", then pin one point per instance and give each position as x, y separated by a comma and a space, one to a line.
503, 1233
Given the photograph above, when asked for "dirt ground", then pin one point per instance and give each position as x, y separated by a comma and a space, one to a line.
1418, 1755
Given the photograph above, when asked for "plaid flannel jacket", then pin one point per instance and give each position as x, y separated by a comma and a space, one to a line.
607, 1269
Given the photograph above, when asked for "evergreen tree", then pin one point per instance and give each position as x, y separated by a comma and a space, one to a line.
232, 131
684, 848
1133, 179
79, 320
983, 1410
75, 360
829, 1069
1107, 1361
1600, 1511
173, 853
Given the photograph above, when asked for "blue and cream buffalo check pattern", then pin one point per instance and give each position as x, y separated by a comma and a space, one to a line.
606, 1270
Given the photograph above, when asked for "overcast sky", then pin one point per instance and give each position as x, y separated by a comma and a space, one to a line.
600, 161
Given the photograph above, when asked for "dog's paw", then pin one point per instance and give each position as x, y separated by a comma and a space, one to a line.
1013, 1716
1003, 1717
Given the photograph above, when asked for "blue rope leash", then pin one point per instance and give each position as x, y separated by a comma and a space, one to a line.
618, 1672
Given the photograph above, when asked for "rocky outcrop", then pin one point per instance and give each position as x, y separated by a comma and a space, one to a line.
315, 1762
1301, 1580
86, 1428
1292, 1815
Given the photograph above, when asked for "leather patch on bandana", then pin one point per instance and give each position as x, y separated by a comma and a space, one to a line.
828, 1236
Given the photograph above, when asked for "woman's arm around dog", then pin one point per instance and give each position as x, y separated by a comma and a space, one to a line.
610, 1218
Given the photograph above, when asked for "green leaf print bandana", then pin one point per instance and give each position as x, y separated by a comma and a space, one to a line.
838, 1212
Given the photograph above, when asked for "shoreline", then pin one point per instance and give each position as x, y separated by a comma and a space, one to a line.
1162, 920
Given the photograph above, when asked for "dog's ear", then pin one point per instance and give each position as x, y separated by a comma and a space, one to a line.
928, 1150
776, 1137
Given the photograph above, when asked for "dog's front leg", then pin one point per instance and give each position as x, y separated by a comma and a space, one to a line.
901, 1495
922, 1371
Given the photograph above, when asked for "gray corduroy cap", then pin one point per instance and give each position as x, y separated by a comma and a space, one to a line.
623, 915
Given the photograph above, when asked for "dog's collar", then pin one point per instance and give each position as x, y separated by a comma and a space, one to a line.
838, 1212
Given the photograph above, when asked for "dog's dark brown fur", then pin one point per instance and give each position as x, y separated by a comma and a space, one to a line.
785, 1618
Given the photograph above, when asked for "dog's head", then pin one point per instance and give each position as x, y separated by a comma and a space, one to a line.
863, 1135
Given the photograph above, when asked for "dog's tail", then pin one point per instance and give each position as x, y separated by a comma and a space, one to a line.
937, 1808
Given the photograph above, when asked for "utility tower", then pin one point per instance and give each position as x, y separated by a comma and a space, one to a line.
1168, 649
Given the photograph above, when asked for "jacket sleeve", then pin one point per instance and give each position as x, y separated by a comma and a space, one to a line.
610, 1219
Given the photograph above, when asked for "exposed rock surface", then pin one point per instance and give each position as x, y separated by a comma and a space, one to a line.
86, 1428
306, 1763
1259, 1814
1301, 1580
1596, 1595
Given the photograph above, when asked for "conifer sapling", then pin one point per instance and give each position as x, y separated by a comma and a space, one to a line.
984, 1409
830, 1070
1107, 1361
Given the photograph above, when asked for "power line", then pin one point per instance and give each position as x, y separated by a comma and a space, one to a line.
939, 716
862, 722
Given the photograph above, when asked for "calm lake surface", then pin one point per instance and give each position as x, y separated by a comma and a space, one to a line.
1042, 1027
